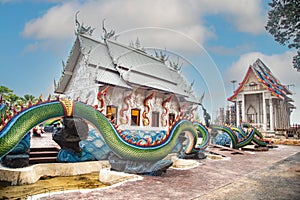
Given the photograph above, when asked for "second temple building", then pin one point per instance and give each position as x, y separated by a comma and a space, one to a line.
262, 100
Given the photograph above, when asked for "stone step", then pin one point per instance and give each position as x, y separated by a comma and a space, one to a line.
35, 154
16, 161
40, 149
43, 155
38, 160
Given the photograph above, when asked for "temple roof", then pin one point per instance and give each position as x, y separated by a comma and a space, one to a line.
124, 66
264, 76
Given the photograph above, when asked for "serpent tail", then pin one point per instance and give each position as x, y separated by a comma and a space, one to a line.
239, 137
19, 125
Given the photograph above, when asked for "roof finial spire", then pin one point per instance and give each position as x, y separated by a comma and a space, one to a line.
80, 28
107, 35
162, 56
175, 65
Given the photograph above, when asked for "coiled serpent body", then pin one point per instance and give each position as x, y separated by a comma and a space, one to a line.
16, 128
239, 137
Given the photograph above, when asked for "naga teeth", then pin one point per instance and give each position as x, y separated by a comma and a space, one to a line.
2, 120
15, 110
22, 106
49, 98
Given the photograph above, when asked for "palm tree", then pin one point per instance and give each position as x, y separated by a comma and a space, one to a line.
12, 100
4, 92
29, 97
4, 89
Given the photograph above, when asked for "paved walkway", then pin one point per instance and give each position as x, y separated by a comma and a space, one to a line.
279, 181
43, 141
273, 174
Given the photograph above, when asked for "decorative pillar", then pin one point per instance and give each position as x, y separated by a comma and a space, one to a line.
275, 113
286, 116
280, 114
264, 113
271, 115
237, 113
243, 108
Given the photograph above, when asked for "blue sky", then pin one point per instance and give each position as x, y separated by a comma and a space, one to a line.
221, 38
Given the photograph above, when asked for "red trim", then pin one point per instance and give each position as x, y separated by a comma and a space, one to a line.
241, 84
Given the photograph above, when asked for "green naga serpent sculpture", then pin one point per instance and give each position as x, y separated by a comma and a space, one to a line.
14, 129
240, 138
257, 138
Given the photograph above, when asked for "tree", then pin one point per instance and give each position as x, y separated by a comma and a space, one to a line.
29, 97
4, 91
284, 24
12, 99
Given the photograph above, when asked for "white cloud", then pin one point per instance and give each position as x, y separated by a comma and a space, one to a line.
281, 67
247, 16
176, 25
56, 23
183, 16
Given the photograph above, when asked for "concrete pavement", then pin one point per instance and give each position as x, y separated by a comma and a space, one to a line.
273, 174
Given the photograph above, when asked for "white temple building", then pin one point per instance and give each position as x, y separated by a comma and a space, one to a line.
129, 86
262, 100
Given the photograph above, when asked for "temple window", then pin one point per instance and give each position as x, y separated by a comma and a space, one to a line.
155, 119
112, 113
135, 117
253, 86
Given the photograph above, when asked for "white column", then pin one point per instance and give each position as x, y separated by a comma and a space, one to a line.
264, 113
243, 108
286, 116
275, 114
271, 115
237, 113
